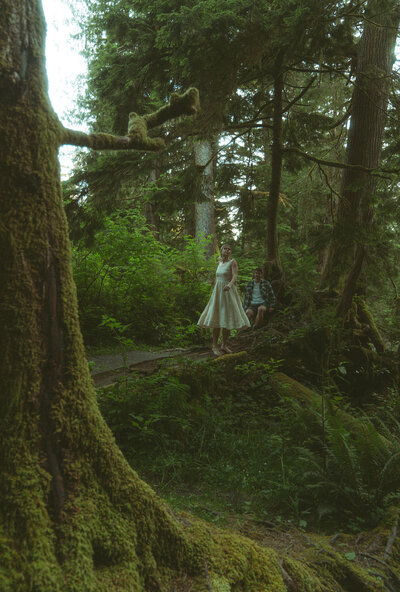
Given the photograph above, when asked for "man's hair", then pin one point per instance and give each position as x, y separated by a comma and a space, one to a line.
260, 269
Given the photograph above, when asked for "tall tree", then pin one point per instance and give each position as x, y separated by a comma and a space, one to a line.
273, 267
205, 203
346, 250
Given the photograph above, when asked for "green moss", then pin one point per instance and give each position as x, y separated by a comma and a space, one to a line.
137, 132
227, 358
350, 576
303, 576
232, 560
289, 387
219, 584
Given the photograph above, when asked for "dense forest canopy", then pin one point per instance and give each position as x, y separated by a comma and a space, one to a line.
270, 125
294, 99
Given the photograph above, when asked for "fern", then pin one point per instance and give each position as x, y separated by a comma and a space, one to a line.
389, 477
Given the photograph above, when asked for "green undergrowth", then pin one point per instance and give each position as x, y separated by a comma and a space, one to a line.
131, 285
218, 440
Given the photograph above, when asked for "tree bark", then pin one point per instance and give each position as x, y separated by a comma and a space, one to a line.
273, 267
150, 207
205, 206
368, 114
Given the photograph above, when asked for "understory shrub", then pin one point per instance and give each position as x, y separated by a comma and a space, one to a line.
128, 275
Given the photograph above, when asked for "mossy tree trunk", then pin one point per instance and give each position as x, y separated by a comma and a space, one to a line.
71, 508
74, 517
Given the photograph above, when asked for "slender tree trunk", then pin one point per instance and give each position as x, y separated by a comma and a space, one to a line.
368, 114
150, 208
273, 267
189, 219
245, 208
205, 206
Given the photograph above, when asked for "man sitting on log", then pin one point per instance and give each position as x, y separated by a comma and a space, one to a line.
259, 298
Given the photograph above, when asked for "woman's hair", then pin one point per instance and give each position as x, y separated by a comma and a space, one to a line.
219, 258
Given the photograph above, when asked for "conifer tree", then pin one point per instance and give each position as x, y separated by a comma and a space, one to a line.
346, 250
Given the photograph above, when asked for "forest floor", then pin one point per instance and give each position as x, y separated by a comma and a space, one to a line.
107, 368
187, 448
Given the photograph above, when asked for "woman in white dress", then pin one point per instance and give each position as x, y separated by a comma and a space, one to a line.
224, 309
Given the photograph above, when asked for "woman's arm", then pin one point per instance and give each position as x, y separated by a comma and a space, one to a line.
235, 269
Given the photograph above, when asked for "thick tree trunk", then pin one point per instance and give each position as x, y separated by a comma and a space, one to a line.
74, 517
368, 113
273, 267
204, 206
71, 508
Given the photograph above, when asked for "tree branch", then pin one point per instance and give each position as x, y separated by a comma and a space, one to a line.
340, 165
300, 95
331, 189
331, 163
186, 104
138, 138
342, 119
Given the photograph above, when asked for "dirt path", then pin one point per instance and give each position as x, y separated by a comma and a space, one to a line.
105, 369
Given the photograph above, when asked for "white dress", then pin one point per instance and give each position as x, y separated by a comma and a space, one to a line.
224, 309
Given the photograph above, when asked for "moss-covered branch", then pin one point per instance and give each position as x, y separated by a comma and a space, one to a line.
186, 104
137, 137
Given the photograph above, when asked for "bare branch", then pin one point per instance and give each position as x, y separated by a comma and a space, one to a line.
342, 119
331, 189
331, 163
300, 95
341, 165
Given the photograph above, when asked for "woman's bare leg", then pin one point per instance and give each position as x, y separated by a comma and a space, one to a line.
215, 347
225, 336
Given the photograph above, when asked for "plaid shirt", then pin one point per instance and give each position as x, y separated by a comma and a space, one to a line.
266, 292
